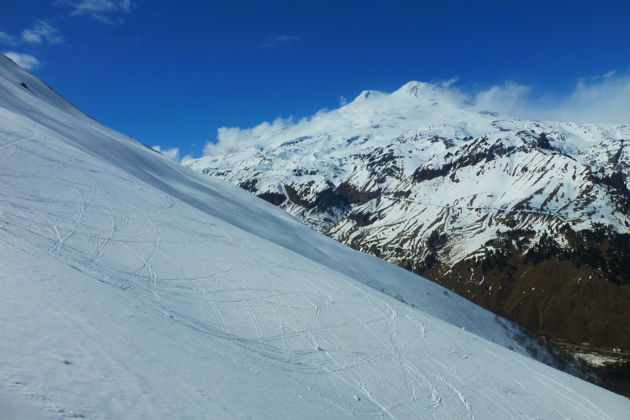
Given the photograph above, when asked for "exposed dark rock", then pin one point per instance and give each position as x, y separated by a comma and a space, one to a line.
302, 172
295, 141
383, 164
436, 240
401, 194
327, 200
354, 195
620, 193
361, 219
543, 142
274, 198
294, 196
615, 159
486, 154
616, 180
250, 185
426, 174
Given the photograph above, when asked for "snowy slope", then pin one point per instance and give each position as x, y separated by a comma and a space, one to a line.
131, 287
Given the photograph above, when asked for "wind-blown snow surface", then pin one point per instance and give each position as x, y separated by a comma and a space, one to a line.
131, 287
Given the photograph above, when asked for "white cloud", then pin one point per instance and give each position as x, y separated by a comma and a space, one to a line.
232, 139
602, 99
41, 32
106, 11
126, 5
9, 39
449, 82
505, 98
274, 41
172, 154
25, 61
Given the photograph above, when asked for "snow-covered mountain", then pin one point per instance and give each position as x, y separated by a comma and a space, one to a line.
131, 287
527, 218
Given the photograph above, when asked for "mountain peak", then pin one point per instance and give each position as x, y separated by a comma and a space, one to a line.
368, 94
416, 89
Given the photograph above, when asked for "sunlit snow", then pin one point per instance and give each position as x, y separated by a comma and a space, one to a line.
131, 287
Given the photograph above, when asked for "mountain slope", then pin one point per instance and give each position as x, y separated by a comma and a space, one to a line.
529, 219
132, 287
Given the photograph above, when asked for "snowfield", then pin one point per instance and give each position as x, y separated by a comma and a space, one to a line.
131, 287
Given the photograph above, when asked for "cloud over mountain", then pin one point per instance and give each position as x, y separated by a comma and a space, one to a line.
602, 99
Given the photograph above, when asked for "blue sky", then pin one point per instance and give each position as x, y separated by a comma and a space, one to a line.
171, 73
